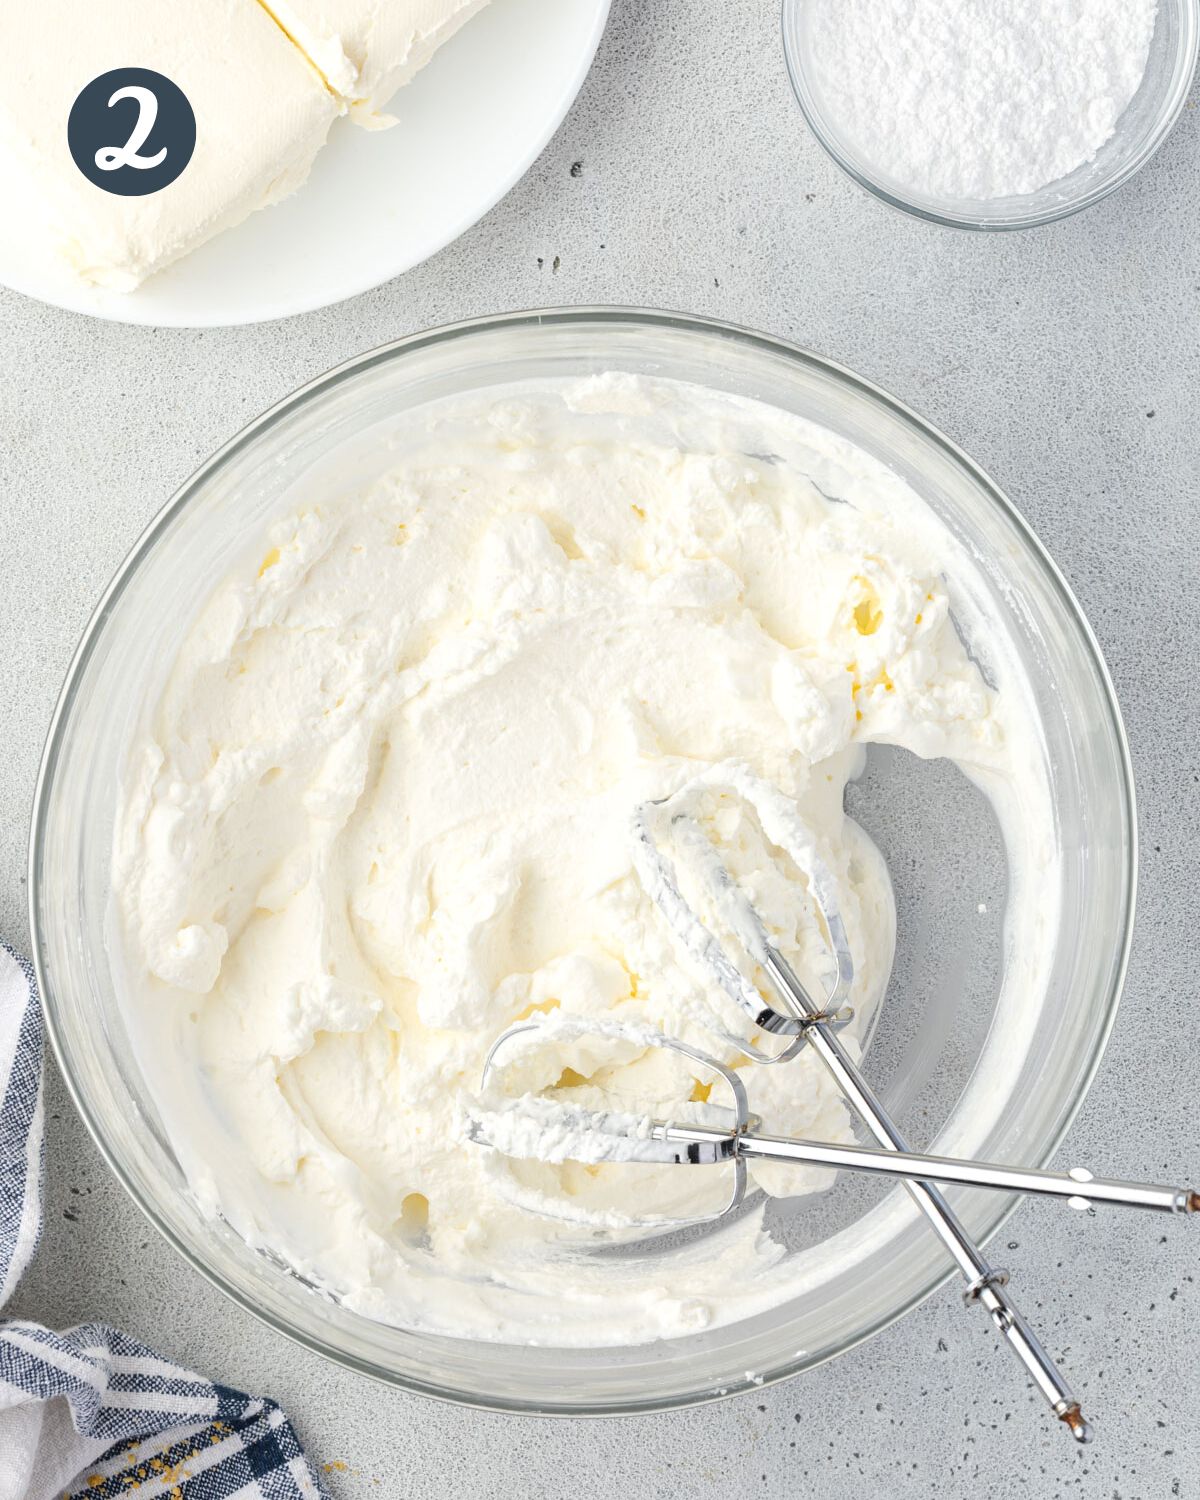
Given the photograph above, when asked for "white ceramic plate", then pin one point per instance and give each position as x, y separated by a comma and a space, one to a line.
378, 202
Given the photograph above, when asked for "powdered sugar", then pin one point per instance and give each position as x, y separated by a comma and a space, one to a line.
979, 98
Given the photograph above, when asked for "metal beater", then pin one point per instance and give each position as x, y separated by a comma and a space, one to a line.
798, 1019
552, 1130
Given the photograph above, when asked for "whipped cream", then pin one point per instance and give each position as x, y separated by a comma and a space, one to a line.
380, 811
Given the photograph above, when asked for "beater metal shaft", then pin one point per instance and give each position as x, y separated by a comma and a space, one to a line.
1077, 1186
986, 1284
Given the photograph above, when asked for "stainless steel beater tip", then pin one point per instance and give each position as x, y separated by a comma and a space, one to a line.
1077, 1424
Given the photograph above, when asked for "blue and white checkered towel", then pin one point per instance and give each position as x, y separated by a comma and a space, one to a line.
89, 1412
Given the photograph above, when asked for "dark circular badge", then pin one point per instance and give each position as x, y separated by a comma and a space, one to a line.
131, 131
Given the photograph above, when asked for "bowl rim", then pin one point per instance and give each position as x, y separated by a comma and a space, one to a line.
596, 316
1185, 68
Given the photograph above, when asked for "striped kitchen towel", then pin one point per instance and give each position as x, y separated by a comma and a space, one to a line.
90, 1412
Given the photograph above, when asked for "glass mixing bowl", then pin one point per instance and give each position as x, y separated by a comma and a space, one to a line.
956, 1073
1142, 128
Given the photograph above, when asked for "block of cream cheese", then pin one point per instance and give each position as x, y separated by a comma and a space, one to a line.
367, 49
262, 114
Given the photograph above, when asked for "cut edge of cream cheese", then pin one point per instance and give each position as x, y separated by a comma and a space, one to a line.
367, 50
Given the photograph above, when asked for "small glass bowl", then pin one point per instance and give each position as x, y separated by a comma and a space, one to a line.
1141, 130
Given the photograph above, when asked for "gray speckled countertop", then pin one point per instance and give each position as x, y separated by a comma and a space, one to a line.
1067, 361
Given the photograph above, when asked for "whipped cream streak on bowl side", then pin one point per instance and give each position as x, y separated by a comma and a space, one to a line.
876, 1268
